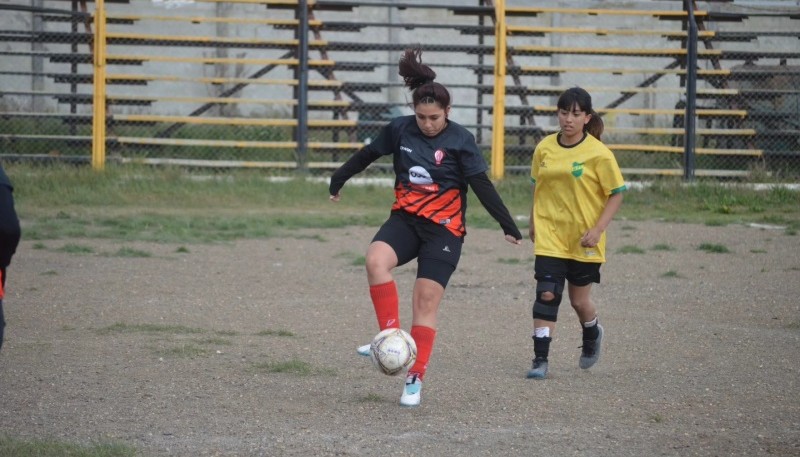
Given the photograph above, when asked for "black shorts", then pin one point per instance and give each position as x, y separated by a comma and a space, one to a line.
554, 269
436, 248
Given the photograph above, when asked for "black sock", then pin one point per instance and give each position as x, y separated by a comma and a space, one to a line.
541, 347
591, 333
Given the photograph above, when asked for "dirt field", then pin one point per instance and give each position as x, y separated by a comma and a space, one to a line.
248, 349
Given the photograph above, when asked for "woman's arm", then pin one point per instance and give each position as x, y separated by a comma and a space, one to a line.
490, 199
531, 228
592, 236
354, 165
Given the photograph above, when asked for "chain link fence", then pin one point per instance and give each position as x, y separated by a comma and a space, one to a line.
220, 84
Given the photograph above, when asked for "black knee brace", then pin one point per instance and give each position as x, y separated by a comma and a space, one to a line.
547, 309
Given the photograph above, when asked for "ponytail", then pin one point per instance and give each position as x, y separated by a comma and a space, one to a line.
419, 78
595, 125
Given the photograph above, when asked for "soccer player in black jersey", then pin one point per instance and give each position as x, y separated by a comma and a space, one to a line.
9, 237
435, 160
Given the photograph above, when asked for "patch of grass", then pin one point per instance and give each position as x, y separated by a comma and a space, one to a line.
294, 366
713, 248
630, 249
214, 341
758, 251
671, 274
319, 238
182, 250
274, 333
48, 447
121, 327
627, 228
50, 273
715, 223
672, 200
186, 350
359, 261
170, 204
130, 252
39, 246
793, 325
657, 418
509, 261
72, 248
226, 332
371, 398
662, 247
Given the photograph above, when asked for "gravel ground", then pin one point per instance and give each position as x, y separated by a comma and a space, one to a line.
248, 348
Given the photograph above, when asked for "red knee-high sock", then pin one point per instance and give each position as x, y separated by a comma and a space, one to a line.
424, 337
386, 302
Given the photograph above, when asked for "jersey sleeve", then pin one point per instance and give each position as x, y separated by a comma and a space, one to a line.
609, 174
386, 142
535, 161
472, 161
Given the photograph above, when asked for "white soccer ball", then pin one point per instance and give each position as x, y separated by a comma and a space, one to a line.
393, 351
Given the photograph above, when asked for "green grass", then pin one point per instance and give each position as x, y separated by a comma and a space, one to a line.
629, 249
662, 247
275, 333
138, 203
714, 248
48, 447
294, 366
131, 252
73, 248
509, 261
182, 351
121, 327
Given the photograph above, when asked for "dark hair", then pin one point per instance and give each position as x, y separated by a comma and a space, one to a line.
577, 96
419, 77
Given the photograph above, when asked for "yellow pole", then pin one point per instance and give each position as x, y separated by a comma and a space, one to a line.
99, 100
498, 120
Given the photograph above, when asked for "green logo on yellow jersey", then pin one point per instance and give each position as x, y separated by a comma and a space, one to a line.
577, 169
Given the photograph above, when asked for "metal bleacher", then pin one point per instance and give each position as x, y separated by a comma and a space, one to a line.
214, 79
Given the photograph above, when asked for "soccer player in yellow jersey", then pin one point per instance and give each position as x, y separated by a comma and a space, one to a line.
577, 189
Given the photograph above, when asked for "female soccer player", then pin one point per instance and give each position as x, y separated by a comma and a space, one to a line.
434, 161
9, 237
577, 189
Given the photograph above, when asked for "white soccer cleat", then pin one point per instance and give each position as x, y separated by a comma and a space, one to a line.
411, 391
363, 350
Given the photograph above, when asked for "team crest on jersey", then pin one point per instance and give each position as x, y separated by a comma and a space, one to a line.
439, 156
577, 169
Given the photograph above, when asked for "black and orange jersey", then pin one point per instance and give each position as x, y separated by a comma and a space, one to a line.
431, 172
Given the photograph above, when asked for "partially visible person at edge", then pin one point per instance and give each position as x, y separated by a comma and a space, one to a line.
434, 160
9, 237
577, 189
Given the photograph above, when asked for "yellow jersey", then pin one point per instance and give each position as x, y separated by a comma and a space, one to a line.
572, 186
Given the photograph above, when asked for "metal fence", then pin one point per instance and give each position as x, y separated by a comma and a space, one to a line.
269, 83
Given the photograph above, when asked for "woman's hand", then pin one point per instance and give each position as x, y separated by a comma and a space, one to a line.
335, 198
513, 240
591, 237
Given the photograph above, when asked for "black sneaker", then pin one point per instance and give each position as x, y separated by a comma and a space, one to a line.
539, 369
591, 350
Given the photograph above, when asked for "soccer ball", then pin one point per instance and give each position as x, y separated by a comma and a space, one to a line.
393, 351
